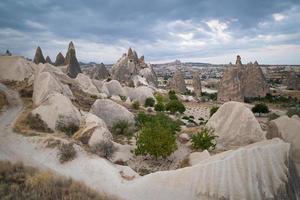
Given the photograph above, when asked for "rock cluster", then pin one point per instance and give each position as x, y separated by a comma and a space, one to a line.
197, 84
129, 66
60, 59
177, 82
98, 72
48, 60
293, 80
39, 57
73, 67
241, 81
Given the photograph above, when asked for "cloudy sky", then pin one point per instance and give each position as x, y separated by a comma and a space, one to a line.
163, 30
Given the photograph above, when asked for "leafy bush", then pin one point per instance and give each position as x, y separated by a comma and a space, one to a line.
209, 96
66, 152
122, 127
213, 110
175, 106
149, 102
104, 149
155, 140
36, 123
293, 111
260, 108
160, 107
135, 105
172, 95
20, 182
204, 140
131, 84
160, 118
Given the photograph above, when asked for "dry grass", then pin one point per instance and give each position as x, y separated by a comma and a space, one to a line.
19, 182
3, 100
184, 163
83, 101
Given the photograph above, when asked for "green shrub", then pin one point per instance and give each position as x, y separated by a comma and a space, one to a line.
155, 140
293, 111
209, 96
260, 108
69, 129
160, 107
213, 110
131, 84
175, 106
204, 140
122, 127
94, 96
104, 149
185, 117
172, 95
123, 98
149, 102
135, 105
66, 152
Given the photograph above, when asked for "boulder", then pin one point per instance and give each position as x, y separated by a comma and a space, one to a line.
196, 157
242, 81
289, 130
99, 135
58, 110
183, 137
129, 66
235, 125
86, 84
177, 82
139, 94
45, 84
60, 59
39, 57
293, 80
99, 72
15, 68
111, 112
113, 87
73, 67
197, 84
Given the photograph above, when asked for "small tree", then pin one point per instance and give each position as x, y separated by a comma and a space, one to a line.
213, 110
149, 102
172, 95
135, 105
204, 140
155, 140
260, 108
160, 107
175, 106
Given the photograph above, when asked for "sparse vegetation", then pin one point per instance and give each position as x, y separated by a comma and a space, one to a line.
108, 79
204, 140
123, 98
172, 95
66, 152
69, 129
213, 110
155, 140
3, 100
104, 149
20, 182
160, 107
293, 111
175, 106
149, 102
280, 100
273, 116
209, 96
135, 105
35, 122
94, 97
122, 127
260, 108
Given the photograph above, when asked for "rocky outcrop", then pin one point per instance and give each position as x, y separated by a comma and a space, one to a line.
129, 65
111, 112
58, 111
73, 67
98, 72
287, 129
242, 81
39, 57
235, 125
60, 59
86, 84
139, 94
112, 88
197, 84
177, 82
15, 68
293, 80
48, 60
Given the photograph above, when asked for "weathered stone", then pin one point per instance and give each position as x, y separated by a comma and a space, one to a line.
73, 67
177, 82
293, 80
48, 60
128, 66
60, 59
38, 57
98, 72
197, 84
242, 81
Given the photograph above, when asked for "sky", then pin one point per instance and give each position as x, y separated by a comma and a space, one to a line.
213, 31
